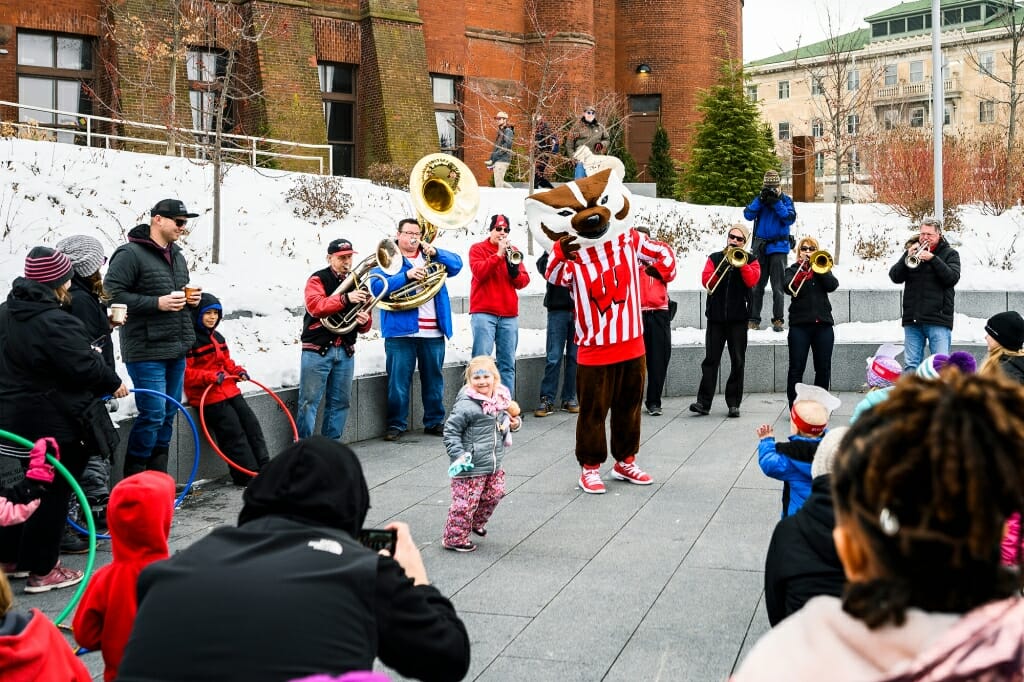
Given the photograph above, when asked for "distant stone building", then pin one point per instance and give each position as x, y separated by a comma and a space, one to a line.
892, 59
380, 80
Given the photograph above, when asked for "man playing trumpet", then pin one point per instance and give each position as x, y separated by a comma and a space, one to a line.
810, 281
328, 361
728, 309
929, 270
498, 273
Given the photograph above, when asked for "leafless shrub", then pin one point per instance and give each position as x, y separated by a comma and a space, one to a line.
319, 199
393, 175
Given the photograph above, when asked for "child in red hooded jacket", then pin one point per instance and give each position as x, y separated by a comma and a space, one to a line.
139, 517
227, 415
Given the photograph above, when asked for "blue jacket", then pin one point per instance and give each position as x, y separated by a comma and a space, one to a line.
406, 322
792, 467
772, 222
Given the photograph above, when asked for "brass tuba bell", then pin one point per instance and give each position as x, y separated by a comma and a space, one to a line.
445, 196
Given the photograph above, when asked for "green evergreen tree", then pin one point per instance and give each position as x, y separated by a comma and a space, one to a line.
661, 166
730, 152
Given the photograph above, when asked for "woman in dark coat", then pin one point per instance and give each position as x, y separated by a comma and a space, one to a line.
810, 319
49, 376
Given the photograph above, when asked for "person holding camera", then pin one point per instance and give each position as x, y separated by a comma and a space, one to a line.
291, 592
773, 215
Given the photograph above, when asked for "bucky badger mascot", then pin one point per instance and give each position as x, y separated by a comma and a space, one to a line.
594, 251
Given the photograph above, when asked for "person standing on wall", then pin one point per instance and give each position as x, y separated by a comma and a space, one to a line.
928, 271
810, 319
328, 358
149, 274
587, 132
498, 274
501, 157
546, 146
416, 336
773, 215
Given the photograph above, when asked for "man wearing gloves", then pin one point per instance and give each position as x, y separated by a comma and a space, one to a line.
773, 214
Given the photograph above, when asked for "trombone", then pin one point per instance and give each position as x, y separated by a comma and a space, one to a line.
818, 262
735, 257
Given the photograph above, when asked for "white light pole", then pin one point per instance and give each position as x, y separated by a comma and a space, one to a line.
938, 104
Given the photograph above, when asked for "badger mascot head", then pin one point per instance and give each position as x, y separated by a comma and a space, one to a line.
593, 210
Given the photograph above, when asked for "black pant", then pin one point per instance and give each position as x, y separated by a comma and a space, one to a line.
772, 266
35, 544
238, 434
817, 338
658, 342
717, 336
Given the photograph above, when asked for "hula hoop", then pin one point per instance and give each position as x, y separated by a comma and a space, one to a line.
209, 439
191, 476
77, 490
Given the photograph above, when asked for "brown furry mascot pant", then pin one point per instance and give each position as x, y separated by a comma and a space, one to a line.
600, 388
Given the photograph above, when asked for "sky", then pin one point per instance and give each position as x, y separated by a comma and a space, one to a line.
49, 191
774, 26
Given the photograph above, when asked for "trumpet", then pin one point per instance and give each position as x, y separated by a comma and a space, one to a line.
513, 255
913, 258
386, 257
818, 262
735, 257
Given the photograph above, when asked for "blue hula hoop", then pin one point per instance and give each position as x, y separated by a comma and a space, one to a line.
195, 460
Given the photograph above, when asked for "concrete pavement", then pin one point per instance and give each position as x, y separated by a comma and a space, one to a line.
659, 582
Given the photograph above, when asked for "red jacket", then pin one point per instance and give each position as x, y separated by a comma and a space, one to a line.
203, 361
139, 516
492, 290
38, 652
653, 290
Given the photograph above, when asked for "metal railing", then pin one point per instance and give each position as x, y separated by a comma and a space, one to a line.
75, 128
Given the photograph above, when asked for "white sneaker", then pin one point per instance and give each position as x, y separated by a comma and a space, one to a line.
590, 481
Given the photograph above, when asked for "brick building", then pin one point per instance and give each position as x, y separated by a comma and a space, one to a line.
380, 80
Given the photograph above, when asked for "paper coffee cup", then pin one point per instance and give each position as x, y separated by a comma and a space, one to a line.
118, 312
192, 290
178, 294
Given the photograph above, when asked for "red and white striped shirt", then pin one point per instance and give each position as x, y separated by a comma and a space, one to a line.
605, 284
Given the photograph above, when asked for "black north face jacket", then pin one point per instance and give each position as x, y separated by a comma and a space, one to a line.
928, 294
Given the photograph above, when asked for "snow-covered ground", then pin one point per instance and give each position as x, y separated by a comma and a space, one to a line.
49, 191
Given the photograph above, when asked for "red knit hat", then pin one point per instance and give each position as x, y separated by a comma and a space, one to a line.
47, 266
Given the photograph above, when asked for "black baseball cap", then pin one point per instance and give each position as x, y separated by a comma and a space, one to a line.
340, 246
171, 208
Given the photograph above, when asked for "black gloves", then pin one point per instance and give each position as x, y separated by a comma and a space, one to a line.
513, 270
768, 195
221, 376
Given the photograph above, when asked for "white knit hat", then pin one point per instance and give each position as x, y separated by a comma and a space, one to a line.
85, 252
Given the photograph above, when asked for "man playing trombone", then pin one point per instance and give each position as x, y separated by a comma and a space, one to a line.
728, 278
328, 361
498, 273
929, 270
809, 282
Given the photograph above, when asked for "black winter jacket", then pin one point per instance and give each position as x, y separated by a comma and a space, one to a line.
731, 300
555, 297
140, 272
87, 307
1013, 367
928, 294
812, 305
49, 372
802, 561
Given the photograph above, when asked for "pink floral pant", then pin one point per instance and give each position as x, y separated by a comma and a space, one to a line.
473, 501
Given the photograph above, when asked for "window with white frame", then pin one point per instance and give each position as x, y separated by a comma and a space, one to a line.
783, 89
338, 92
784, 130
206, 70
986, 63
853, 79
817, 128
446, 113
947, 115
819, 164
852, 124
817, 86
986, 111
917, 71
853, 161
917, 117
752, 94
890, 75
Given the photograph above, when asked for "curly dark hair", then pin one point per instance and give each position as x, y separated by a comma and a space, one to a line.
930, 476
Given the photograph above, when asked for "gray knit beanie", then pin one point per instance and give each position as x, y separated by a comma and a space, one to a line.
825, 455
85, 252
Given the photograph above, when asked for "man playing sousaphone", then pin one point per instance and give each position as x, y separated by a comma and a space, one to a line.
328, 357
929, 270
415, 320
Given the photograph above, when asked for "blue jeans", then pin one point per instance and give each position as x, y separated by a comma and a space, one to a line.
155, 423
490, 329
939, 340
560, 341
402, 354
330, 373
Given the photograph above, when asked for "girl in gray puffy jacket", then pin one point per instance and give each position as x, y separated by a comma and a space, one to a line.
475, 436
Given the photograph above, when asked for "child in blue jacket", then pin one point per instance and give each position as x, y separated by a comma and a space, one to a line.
790, 462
